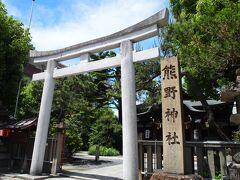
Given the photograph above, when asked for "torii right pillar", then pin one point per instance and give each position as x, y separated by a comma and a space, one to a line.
129, 113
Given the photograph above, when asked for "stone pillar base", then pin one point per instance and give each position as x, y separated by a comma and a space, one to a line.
160, 175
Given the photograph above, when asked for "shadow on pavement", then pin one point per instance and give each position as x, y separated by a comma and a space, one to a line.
81, 161
89, 163
77, 175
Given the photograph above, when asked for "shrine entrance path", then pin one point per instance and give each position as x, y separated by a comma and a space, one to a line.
83, 166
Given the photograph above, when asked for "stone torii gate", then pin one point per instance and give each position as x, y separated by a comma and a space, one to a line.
123, 39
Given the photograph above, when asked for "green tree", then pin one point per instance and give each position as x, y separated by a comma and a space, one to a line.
15, 43
147, 83
205, 37
109, 82
107, 131
75, 103
30, 99
148, 86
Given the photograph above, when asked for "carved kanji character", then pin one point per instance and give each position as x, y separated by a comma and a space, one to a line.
170, 92
171, 114
172, 139
169, 138
169, 72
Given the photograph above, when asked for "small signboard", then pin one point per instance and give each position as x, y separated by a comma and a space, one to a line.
173, 134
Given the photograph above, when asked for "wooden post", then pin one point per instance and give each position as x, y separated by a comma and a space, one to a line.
140, 161
159, 157
141, 158
223, 165
149, 159
56, 165
189, 163
97, 153
200, 160
211, 162
173, 134
24, 165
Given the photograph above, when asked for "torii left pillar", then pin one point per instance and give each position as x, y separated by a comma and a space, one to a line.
43, 121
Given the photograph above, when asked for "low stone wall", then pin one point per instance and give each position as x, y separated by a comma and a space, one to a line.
160, 175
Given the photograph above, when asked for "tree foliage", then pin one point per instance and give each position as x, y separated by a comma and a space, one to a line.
206, 37
106, 131
30, 99
14, 49
79, 101
103, 151
75, 103
148, 86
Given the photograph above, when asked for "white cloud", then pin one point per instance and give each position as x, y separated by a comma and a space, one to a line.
12, 10
68, 24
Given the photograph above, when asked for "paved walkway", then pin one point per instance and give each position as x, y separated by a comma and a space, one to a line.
104, 173
82, 167
108, 167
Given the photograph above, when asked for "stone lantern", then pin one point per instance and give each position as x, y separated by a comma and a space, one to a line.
231, 93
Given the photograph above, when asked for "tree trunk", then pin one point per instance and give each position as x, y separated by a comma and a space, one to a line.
120, 110
210, 116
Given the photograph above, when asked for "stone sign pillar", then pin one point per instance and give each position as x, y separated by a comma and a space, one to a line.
43, 121
173, 134
129, 113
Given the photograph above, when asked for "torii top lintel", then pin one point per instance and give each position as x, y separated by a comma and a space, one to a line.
140, 31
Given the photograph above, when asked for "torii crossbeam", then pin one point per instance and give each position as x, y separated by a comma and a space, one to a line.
123, 39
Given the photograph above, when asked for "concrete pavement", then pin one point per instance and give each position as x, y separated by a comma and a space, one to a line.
82, 167
108, 167
104, 173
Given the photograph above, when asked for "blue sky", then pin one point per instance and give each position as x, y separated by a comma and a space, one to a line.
61, 23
